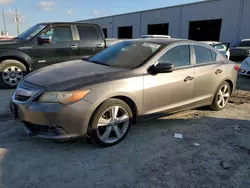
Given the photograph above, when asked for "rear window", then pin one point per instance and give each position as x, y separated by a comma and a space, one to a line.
87, 33
204, 55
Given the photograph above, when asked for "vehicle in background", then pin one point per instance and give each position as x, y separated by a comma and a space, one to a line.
245, 67
155, 36
241, 50
6, 37
223, 48
131, 80
46, 44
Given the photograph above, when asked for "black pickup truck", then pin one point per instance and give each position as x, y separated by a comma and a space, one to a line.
45, 44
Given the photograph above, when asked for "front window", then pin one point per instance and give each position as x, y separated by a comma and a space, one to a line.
179, 56
31, 32
59, 34
127, 54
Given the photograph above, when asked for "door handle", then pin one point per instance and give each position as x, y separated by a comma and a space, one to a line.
101, 45
188, 78
73, 46
218, 71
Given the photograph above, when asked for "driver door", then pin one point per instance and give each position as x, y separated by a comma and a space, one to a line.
170, 91
59, 50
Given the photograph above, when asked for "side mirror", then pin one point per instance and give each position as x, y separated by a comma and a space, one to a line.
44, 40
161, 68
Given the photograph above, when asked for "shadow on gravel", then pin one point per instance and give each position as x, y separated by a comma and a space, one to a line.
148, 157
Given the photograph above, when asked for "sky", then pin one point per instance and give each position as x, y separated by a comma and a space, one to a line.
32, 12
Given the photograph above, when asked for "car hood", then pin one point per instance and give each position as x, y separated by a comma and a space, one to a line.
10, 42
73, 75
240, 48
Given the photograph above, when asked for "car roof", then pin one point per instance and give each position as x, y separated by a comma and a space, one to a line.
48, 23
166, 41
211, 42
245, 40
159, 36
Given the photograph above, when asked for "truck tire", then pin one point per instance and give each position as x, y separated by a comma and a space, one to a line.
11, 72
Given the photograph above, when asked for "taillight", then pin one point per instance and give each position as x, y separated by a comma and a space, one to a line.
236, 67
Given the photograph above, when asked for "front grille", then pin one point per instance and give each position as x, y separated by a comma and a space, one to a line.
22, 98
237, 58
23, 94
44, 130
238, 52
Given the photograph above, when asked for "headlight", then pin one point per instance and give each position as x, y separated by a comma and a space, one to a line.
63, 97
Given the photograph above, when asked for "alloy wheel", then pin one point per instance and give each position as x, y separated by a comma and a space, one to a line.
223, 96
113, 124
12, 75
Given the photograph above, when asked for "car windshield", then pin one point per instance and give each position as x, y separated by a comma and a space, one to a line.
31, 32
243, 44
127, 54
220, 47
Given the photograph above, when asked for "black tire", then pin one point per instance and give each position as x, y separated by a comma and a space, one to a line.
10, 63
214, 105
93, 131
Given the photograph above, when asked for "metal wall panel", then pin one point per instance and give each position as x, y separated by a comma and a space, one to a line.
235, 17
172, 16
107, 23
227, 10
245, 21
127, 20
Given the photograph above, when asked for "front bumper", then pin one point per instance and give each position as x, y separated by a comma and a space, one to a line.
243, 71
52, 120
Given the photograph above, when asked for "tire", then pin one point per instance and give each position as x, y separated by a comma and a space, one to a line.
217, 105
11, 72
101, 122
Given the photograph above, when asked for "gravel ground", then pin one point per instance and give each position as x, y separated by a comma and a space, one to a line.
148, 157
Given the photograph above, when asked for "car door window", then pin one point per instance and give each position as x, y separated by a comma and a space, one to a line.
204, 55
87, 33
59, 34
179, 56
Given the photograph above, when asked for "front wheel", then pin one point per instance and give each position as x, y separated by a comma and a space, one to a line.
110, 123
11, 72
221, 97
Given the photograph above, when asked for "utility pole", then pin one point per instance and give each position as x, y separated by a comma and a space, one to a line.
17, 20
4, 23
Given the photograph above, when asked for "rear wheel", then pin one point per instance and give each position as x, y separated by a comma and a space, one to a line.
221, 97
110, 123
11, 72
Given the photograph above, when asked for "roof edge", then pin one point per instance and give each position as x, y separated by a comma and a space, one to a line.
142, 11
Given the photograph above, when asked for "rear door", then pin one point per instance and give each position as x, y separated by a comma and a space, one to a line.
60, 49
90, 41
209, 71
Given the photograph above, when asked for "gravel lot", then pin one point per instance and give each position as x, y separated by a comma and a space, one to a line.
149, 157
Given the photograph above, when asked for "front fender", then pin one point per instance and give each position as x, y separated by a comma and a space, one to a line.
8, 53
